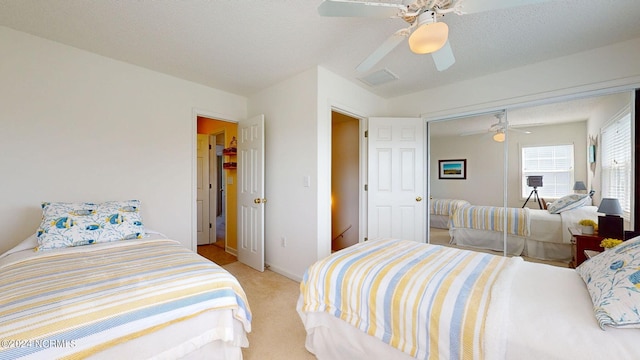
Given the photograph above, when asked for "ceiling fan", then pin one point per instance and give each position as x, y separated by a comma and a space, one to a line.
498, 129
426, 35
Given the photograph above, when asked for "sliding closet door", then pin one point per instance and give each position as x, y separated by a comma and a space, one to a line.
467, 166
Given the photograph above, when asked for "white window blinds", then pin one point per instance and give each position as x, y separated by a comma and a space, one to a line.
554, 163
616, 160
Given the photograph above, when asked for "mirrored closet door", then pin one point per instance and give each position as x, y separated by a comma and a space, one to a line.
537, 158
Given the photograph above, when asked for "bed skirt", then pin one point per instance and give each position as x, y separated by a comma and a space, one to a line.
516, 245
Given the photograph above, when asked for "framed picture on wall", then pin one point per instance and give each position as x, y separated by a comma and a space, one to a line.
592, 154
452, 169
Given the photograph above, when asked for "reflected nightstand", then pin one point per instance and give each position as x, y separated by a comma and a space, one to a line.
582, 243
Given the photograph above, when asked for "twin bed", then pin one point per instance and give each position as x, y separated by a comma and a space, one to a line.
397, 299
541, 234
143, 297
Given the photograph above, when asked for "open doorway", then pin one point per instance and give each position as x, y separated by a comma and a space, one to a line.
217, 193
217, 207
345, 180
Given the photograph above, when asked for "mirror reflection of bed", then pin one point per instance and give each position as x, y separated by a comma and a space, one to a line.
496, 173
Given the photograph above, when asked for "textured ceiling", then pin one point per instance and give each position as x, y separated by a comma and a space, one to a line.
244, 46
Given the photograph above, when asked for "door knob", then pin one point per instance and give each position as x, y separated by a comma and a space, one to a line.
258, 200
418, 199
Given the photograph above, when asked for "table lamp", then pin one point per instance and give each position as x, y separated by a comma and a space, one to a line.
611, 225
579, 186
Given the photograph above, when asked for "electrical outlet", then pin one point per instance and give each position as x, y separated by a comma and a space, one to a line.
283, 241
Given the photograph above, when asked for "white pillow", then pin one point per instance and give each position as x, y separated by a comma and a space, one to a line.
75, 224
569, 202
613, 281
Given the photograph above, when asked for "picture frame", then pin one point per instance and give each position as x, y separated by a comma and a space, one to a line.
592, 154
452, 169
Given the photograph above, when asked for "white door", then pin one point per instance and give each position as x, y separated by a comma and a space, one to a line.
202, 197
396, 179
251, 199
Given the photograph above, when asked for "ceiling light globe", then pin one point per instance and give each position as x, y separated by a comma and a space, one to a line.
429, 38
499, 137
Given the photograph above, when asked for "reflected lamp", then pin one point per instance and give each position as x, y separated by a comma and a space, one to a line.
579, 186
499, 136
610, 225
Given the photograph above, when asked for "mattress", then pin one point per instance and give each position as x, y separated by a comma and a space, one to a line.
149, 297
548, 314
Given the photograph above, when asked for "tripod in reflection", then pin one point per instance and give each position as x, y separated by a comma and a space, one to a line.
533, 193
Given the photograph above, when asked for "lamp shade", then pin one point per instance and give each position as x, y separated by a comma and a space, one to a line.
610, 206
499, 136
579, 185
428, 38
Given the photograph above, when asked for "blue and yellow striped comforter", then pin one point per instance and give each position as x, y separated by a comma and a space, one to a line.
428, 301
446, 206
492, 218
71, 304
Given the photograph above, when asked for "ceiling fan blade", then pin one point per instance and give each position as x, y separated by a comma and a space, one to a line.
382, 50
359, 9
474, 6
476, 132
444, 58
520, 131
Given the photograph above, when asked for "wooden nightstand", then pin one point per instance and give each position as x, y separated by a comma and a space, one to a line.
591, 253
580, 243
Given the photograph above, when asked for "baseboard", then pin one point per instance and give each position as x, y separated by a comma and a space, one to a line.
283, 272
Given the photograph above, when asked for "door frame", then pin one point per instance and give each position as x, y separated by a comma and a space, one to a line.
194, 169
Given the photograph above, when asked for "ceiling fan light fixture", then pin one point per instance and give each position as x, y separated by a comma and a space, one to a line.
430, 36
499, 136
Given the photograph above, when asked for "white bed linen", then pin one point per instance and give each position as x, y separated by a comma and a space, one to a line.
549, 240
194, 338
549, 316
439, 221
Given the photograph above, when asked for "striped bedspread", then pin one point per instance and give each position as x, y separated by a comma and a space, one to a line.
73, 303
446, 206
492, 218
428, 301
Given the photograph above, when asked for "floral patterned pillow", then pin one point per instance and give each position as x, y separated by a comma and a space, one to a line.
568, 202
75, 224
613, 281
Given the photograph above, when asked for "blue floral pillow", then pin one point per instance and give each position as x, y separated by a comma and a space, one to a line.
613, 281
568, 202
75, 224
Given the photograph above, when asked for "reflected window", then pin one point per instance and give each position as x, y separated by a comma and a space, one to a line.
554, 163
616, 160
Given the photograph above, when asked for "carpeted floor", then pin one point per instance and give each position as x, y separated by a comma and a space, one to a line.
277, 331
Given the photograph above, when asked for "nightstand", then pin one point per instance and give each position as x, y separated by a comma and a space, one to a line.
580, 243
591, 253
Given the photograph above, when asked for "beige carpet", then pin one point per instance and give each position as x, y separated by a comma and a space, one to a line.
277, 331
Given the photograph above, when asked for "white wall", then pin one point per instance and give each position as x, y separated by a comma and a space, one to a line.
608, 67
298, 144
76, 126
291, 151
485, 163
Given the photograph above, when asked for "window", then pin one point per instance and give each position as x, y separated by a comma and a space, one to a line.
616, 160
554, 163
